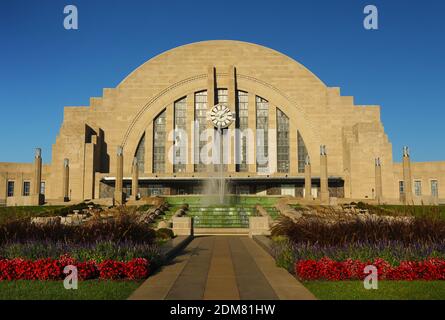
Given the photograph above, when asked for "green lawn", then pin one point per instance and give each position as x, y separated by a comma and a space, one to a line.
54, 290
388, 290
11, 213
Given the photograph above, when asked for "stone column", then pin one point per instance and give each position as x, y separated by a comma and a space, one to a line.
324, 188
211, 100
36, 197
378, 180
66, 180
231, 149
119, 197
37, 172
407, 182
135, 180
307, 179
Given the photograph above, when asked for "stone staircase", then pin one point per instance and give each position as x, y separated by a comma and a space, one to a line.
221, 219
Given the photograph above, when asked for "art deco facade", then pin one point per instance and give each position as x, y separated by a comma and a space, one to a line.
287, 112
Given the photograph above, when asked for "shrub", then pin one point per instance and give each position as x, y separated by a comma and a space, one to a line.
391, 251
423, 230
327, 269
97, 251
120, 230
164, 233
52, 269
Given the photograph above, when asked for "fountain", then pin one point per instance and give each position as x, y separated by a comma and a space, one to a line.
215, 209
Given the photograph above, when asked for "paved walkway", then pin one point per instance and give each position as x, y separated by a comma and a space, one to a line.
222, 268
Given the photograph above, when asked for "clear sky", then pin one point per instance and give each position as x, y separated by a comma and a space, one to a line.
44, 67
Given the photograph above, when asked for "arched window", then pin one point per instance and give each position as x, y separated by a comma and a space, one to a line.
262, 131
159, 136
140, 154
282, 142
180, 154
302, 153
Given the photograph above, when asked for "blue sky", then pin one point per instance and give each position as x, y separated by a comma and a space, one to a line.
44, 67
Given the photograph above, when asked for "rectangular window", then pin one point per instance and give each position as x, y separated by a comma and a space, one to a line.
180, 153
26, 188
200, 127
42, 187
434, 188
159, 137
302, 153
262, 132
242, 115
223, 96
401, 187
10, 188
282, 142
156, 190
418, 188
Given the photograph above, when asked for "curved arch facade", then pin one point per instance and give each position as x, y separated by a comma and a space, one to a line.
162, 104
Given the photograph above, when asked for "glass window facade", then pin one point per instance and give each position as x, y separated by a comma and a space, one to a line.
222, 96
242, 116
282, 142
200, 126
10, 188
434, 188
26, 188
140, 154
179, 163
159, 137
302, 153
418, 188
262, 131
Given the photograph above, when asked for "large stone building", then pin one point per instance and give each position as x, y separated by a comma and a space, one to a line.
288, 128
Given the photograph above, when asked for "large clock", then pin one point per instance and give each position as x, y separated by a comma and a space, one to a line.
221, 116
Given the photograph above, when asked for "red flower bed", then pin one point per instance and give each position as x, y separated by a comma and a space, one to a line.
50, 269
327, 269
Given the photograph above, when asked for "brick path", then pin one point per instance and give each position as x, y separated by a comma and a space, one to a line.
222, 268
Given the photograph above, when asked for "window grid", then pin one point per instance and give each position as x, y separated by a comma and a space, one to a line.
159, 137
282, 142
140, 154
201, 119
26, 188
42, 187
222, 97
10, 188
434, 188
302, 153
243, 124
179, 164
262, 125
418, 188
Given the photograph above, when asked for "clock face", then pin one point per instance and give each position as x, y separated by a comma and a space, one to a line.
221, 116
